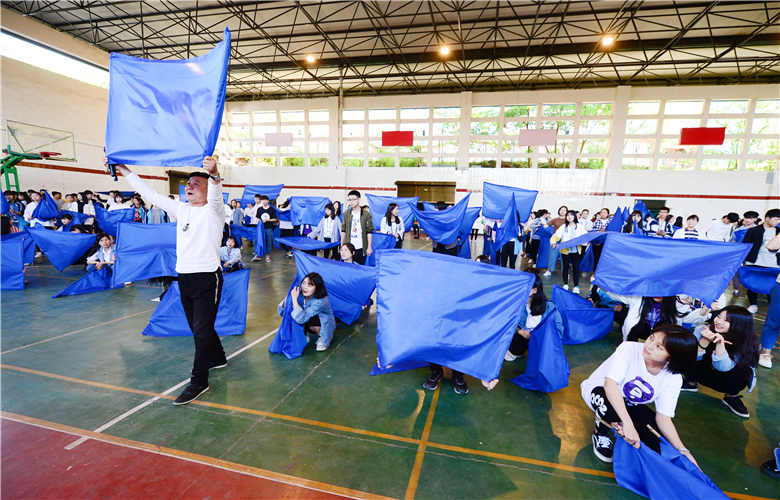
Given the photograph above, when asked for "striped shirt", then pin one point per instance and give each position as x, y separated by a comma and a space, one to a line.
600, 224
687, 234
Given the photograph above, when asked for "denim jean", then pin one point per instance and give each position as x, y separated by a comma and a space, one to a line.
269, 240
555, 254
772, 324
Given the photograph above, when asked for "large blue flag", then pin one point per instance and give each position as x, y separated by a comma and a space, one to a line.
28, 244
468, 328
429, 207
255, 234
307, 209
144, 251
304, 243
108, 221
464, 249
166, 113
543, 255
290, 339
443, 226
588, 262
250, 190
78, 218
584, 239
62, 249
640, 205
617, 221
758, 279
496, 197
169, 320
546, 368
582, 322
377, 205
349, 286
658, 267
739, 235
5, 207
94, 281
665, 476
12, 264
46, 208
510, 226
379, 241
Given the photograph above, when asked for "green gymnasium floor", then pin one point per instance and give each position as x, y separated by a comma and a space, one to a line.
80, 365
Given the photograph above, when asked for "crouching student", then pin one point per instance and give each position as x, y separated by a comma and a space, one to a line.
316, 315
230, 255
532, 315
636, 374
105, 255
727, 356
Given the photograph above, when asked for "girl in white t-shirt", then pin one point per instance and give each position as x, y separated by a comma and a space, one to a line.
636, 374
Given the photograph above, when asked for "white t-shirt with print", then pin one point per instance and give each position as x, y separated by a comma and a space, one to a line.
356, 232
627, 368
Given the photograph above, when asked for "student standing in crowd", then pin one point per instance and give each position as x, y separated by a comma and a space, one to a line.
689, 232
265, 214
139, 210
760, 253
661, 227
393, 225
328, 230
571, 256
357, 228
584, 219
722, 230
556, 223
771, 329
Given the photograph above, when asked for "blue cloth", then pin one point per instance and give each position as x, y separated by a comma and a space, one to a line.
464, 249
640, 205
668, 476
255, 234
469, 321
617, 222
62, 249
543, 255
377, 205
349, 286
46, 208
428, 206
307, 209
582, 321
398, 367
250, 190
12, 263
5, 207
166, 113
285, 215
169, 320
289, 339
496, 197
509, 226
739, 235
28, 244
144, 251
588, 262
78, 218
304, 243
589, 237
758, 279
108, 222
659, 267
94, 281
549, 308
443, 226
546, 369
771, 327
380, 241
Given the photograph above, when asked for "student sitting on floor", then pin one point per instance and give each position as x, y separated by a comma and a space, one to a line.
636, 374
727, 356
230, 255
644, 313
316, 315
534, 312
105, 255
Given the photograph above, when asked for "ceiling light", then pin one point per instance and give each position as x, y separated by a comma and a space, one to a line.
607, 41
311, 59
444, 50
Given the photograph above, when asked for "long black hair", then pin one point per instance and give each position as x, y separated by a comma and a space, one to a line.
566, 218
669, 315
538, 300
744, 345
332, 209
389, 214
682, 347
319, 285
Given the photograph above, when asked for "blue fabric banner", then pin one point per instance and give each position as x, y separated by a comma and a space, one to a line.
255, 234
12, 263
496, 197
307, 209
109, 221
94, 281
5, 208
640, 205
668, 476
582, 322
588, 262
144, 251
617, 221
657, 267
399, 367
543, 255
589, 237
469, 328
758, 279
380, 241
509, 226
46, 209
169, 320
62, 249
304, 243
250, 190
377, 205
443, 226
285, 215
739, 235
289, 339
28, 244
349, 286
166, 113
78, 218
428, 207
546, 368
464, 248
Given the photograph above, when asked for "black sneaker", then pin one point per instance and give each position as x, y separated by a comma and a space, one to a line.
459, 386
689, 386
602, 443
432, 382
737, 407
190, 393
217, 364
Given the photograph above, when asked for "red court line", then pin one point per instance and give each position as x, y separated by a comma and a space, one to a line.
39, 467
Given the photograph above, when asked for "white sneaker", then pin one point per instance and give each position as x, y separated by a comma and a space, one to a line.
156, 299
565, 287
322, 347
509, 356
765, 359
752, 309
489, 384
547, 274
576, 289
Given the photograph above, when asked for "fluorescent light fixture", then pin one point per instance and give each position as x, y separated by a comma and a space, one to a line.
444, 50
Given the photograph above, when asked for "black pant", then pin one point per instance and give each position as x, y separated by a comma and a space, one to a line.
597, 248
533, 249
399, 243
416, 231
519, 345
730, 383
438, 370
330, 253
439, 248
571, 259
641, 416
507, 257
200, 295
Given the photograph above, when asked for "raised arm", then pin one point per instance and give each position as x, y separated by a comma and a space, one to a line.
214, 193
149, 194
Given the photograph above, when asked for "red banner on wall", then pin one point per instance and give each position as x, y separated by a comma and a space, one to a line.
402, 138
702, 136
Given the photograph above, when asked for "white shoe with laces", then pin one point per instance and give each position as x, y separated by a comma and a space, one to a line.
576, 289
565, 287
509, 356
765, 359
752, 309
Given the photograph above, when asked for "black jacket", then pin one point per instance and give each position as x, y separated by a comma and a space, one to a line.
755, 236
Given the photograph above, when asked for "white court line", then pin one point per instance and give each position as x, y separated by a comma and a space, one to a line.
148, 402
